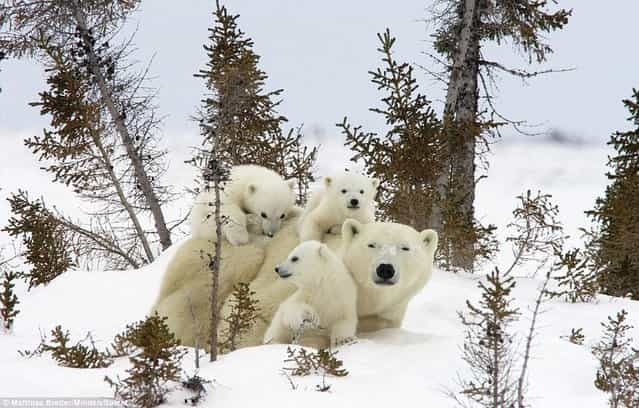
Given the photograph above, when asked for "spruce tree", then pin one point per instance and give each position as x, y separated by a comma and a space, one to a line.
103, 139
239, 124
618, 373
243, 115
615, 243
8, 300
155, 355
463, 28
405, 158
242, 315
488, 347
48, 246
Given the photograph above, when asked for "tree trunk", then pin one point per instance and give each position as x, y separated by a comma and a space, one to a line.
138, 167
456, 183
122, 198
214, 266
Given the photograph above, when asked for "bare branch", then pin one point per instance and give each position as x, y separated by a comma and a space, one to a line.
522, 73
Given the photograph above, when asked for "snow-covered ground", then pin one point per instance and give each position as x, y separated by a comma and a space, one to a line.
410, 366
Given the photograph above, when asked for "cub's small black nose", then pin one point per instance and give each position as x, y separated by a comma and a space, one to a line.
385, 271
277, 269
269, 234
354, 202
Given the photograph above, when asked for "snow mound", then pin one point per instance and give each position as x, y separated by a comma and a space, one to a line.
416, 363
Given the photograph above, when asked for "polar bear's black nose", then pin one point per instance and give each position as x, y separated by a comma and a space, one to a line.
354, 202
277, 269
385, 271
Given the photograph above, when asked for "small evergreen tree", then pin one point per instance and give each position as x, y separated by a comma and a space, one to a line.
618, 373
615, 244
8, 300
241, 317
537, 234
65, 354
46, 240
323, 361
578, 283
536, 237
576, 336
488, 348
405, 159
156, 358
247, 127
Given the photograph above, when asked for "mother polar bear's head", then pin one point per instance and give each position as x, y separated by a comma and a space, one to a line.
388, 261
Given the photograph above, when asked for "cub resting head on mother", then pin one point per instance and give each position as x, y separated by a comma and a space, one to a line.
389, 263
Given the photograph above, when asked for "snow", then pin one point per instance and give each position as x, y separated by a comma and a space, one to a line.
414, 364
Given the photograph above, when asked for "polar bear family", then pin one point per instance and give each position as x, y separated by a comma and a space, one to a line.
359, 278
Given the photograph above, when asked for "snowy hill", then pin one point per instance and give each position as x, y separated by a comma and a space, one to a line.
413, 365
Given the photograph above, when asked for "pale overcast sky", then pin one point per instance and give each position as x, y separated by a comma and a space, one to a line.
320, 52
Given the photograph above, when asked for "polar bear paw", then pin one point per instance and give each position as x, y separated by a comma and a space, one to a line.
302, 318
237, 236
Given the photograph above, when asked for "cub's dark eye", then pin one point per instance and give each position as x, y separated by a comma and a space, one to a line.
361, 191
263, 215
282, 216
294, 259
405, 248
343, 191
371, 245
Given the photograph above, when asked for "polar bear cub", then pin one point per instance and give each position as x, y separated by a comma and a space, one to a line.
255, 199
326, 296
345, 195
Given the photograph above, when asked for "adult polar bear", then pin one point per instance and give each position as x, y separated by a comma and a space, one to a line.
389, 263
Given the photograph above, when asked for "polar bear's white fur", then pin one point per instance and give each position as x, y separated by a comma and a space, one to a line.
345, 195
255, 200
326, 296
381, 303
390, 264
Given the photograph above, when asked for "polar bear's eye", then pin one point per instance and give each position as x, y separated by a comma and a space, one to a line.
405, 248
294, 259
344, 191
263, 215
371, 245
282, 216
361, 191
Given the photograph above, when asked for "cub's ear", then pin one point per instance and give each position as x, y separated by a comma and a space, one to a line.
429, 237
291, 183
328, 181
251, 188
350, 229
375, 183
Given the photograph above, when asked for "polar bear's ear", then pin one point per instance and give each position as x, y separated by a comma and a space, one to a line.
291, 183
429, 237
375, 183
251, 188
350, 229
327, 181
